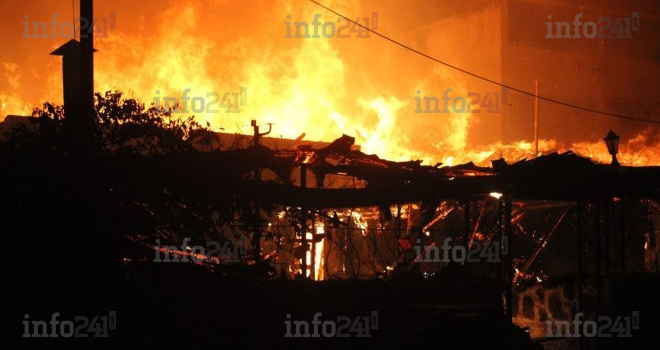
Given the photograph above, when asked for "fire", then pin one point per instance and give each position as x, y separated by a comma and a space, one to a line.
322, 87
10, 101
643, 149
318, 250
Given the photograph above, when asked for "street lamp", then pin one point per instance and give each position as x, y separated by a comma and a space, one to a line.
612, 143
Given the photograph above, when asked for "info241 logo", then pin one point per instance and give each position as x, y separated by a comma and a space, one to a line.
81, 328
604, 328
589, 29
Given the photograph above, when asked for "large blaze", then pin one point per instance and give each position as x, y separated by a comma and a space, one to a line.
457, 166
364, 87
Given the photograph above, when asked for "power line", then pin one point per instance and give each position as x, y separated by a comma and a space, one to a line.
637, 119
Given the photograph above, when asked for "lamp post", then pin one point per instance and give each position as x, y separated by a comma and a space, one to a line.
612, 143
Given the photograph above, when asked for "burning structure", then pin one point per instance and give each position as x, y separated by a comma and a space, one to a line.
306, 85
337, 211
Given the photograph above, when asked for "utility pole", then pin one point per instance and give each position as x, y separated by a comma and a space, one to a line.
536, 118
87, 115
256, 239
303, 220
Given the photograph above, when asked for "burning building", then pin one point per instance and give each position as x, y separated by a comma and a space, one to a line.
366, 205
304, 85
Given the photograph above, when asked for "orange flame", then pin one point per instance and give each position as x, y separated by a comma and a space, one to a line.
323, 87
